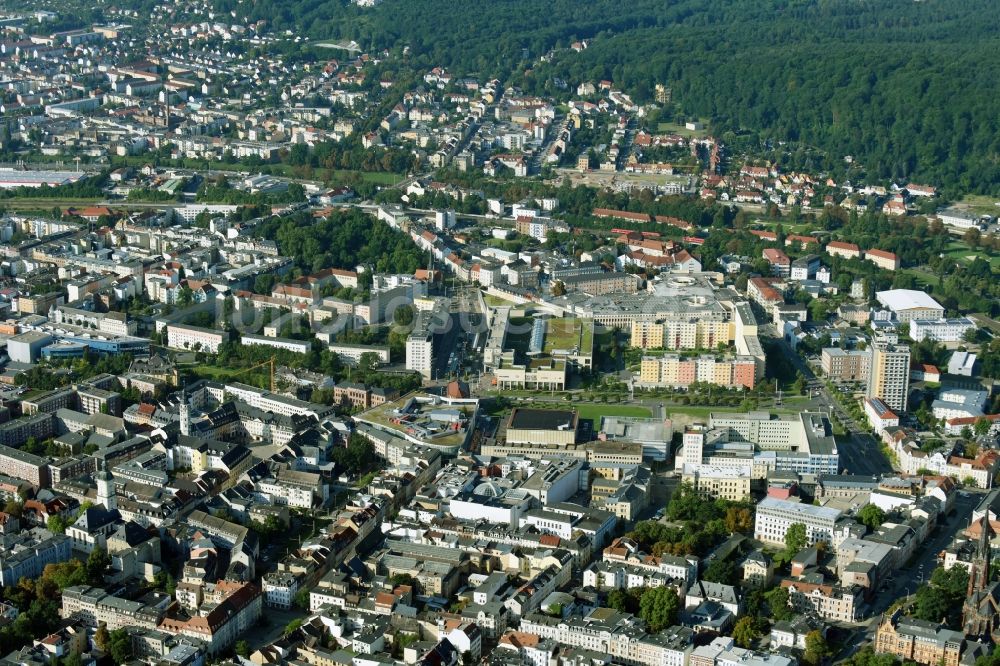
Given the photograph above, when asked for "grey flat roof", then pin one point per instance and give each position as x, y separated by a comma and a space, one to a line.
542, 419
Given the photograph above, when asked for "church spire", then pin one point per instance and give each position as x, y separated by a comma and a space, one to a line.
980, 576
979, 613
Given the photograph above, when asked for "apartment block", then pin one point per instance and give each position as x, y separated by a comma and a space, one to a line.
889, 374
23, 465
678, 335
26, 553
602, 283
883, 259
830, 602
49, 402
941, 330
195, 338
95, 400
95, 607
845, 365
673, 370
842, 249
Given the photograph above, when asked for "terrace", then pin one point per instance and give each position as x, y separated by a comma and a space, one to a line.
425, 419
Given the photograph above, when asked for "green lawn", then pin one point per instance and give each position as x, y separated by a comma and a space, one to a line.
802, 228
255, 377
562, 333
214, 371
961, 252
594, 412
496, 301
923, 278
674, 128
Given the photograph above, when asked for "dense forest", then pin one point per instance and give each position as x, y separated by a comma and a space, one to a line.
346, 239
904, 87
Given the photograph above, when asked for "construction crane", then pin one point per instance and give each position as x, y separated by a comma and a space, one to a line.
268, 362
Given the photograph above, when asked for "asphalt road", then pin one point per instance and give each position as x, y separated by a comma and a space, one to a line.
859, 451
906, 580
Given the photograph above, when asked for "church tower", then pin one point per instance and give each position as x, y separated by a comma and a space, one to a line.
185, 413
106, 489
979, 612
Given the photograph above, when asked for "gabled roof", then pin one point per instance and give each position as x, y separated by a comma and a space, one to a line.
96, 517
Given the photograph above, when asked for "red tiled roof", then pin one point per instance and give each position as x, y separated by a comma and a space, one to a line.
548, 540
840, 245
621, 214
882, 253
674, 222
795, 238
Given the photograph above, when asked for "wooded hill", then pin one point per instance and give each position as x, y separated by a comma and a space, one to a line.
905, 87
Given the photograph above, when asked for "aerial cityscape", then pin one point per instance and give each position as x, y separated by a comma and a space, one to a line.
532, 333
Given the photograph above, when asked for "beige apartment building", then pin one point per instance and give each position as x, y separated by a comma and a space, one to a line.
845, 365
698, 334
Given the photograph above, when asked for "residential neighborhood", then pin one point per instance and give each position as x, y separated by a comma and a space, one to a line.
312, 355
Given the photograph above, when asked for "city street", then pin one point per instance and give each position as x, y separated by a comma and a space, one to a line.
906, 580
859, 451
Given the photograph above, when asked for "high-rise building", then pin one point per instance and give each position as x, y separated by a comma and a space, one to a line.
889, 374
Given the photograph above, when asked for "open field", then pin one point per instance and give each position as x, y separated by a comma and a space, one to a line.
923, 278
610, 178
802, 228
674, 128
214, 371
256, 377
980, 203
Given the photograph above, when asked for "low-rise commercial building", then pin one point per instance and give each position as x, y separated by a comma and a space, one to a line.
542, 426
